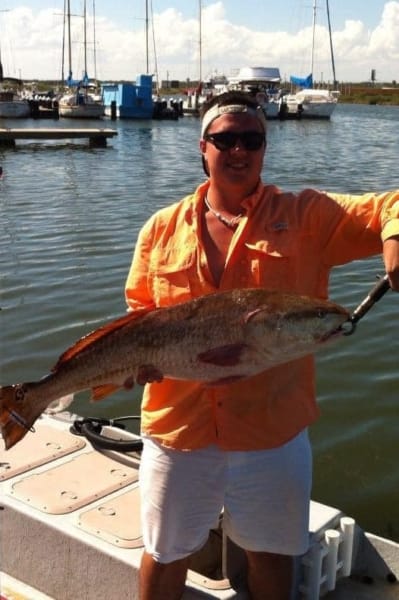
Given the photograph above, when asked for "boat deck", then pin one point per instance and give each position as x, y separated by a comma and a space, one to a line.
71, 529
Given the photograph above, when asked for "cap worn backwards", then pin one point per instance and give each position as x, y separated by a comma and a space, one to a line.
216, 111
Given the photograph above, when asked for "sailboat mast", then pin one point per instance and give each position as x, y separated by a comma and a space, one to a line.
200, 42
69, 39
146, 37
331, 44
63, 46
85, 39
94, 41
1, 64
313, 37
154, 49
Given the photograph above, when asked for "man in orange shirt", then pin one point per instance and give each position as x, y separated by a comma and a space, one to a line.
242, 447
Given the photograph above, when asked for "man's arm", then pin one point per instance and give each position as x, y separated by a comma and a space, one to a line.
391, 260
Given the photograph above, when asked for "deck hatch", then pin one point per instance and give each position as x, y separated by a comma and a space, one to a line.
116, 521
73, 484
37, 448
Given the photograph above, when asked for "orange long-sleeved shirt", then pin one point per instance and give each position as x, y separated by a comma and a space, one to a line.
285, 241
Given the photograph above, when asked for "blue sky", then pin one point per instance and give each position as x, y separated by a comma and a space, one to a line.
365, 35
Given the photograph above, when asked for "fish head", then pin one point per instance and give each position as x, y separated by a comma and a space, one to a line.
289, 326
315, 324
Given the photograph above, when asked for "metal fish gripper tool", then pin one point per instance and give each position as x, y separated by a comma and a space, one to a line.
377, 292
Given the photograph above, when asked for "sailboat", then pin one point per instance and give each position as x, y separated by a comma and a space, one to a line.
197, 95
81, 101
131, 100
135, 100
309, 102
12, 104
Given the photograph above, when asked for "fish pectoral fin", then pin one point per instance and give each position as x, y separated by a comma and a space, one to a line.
101, 391
224, 356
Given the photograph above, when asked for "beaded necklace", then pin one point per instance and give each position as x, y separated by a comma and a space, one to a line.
231, 223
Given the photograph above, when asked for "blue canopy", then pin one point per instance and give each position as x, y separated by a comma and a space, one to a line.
306, 82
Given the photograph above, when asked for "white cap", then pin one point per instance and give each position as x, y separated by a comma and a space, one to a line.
216, 111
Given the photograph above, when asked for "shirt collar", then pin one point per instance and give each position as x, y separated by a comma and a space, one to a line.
248, 203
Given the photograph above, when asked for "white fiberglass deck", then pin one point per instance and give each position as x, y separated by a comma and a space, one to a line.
71, 530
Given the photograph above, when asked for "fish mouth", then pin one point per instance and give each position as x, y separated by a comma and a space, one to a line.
335, 333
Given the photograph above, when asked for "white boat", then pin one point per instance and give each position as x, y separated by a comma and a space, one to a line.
12, 103
81, 101
310, 102
12, 106
194, 98
262, 83
70, 528
81, 104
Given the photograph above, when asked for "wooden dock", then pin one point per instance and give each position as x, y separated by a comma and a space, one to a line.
97, 137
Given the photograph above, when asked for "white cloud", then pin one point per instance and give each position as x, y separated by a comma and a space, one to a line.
34, 46
384, 39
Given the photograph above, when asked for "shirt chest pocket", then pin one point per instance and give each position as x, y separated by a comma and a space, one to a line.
170, 271
273, 262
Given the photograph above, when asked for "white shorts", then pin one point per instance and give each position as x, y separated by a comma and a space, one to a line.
265, 496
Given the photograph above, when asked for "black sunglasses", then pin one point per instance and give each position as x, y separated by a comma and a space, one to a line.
225, 140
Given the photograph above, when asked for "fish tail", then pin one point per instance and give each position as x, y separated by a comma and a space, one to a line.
17, 414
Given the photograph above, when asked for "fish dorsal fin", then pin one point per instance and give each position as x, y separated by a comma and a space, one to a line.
99, 333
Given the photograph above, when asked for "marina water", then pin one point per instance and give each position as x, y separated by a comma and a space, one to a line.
70, 216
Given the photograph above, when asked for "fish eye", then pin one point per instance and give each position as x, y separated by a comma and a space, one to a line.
321, 313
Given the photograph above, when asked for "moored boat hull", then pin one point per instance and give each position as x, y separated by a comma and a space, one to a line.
74, 106
14, 109
310, 104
